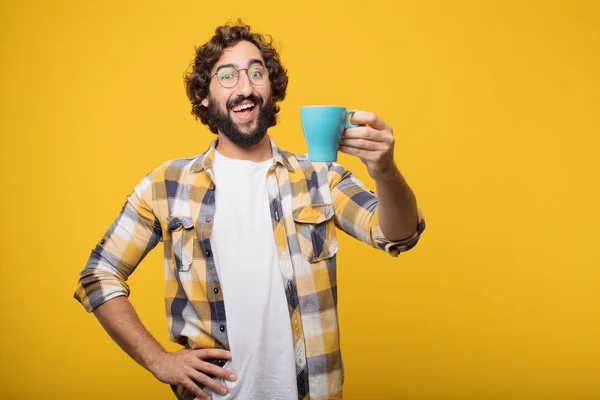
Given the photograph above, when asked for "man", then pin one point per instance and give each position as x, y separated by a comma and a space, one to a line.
249, 239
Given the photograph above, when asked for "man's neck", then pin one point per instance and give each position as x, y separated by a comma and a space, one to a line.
258, 153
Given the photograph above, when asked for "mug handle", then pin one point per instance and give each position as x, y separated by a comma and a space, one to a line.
349, 114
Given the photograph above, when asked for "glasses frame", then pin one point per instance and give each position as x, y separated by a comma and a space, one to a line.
238, 76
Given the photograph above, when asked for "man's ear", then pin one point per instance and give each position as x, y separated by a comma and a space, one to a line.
204, 102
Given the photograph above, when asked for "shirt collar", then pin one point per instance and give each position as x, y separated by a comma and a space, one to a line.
279, 157
205, 160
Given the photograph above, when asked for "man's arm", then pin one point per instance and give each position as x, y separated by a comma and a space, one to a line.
396, 211
397, 206
102, 289
122, 323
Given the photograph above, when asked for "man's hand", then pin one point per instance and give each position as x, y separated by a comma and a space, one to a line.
188, 368
372, 142
185, 367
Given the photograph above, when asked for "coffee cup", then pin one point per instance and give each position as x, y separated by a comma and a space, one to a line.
323, 127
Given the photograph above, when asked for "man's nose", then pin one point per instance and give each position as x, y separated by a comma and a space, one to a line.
244, 86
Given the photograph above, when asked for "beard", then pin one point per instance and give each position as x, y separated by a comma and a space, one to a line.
224, 124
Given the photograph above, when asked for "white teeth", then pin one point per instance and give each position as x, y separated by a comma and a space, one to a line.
243, 107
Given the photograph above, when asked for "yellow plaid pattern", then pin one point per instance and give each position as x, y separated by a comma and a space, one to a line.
175, 204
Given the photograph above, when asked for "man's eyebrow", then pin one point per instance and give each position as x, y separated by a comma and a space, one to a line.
250, 63
255, 61
225, 66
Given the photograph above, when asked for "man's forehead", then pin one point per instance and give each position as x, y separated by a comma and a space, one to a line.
239, 55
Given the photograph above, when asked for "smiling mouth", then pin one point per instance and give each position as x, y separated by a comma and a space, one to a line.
244, 112
244, 107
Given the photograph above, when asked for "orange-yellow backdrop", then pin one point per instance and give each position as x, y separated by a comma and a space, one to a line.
495, 108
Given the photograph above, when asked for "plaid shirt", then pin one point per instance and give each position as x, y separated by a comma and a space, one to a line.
175, 204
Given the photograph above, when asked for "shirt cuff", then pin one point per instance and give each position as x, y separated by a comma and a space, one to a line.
394, 248
97, 286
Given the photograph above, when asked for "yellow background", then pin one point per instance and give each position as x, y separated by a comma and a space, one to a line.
495, 109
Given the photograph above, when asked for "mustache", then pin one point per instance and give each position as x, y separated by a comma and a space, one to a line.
240, 99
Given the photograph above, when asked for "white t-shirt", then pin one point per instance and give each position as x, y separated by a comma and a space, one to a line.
258, 321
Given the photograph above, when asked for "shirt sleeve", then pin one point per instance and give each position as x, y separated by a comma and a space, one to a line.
135, 232
356, 212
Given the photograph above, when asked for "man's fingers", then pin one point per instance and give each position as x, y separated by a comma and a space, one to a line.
212, 353
367, 118
362, 154
194, 388
210, 368
208, 382
362, 144
364, 132
215, 370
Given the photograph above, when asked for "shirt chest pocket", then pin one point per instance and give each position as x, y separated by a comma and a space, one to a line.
315, 229
183, 240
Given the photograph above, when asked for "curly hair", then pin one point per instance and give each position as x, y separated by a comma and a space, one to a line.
197, 81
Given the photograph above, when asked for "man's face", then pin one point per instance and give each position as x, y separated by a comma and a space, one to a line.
242, 112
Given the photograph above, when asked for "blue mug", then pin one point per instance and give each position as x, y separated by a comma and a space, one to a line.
323, 127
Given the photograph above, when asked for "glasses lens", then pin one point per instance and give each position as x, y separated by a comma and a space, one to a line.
227, 76
257, 74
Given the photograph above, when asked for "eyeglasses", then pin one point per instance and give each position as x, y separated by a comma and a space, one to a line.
228, 77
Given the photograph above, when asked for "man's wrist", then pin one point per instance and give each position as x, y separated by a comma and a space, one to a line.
387, 173
153, 360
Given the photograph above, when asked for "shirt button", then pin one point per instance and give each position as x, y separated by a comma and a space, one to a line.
102, 241
208, 219
222, 328
216, 290
207, 253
